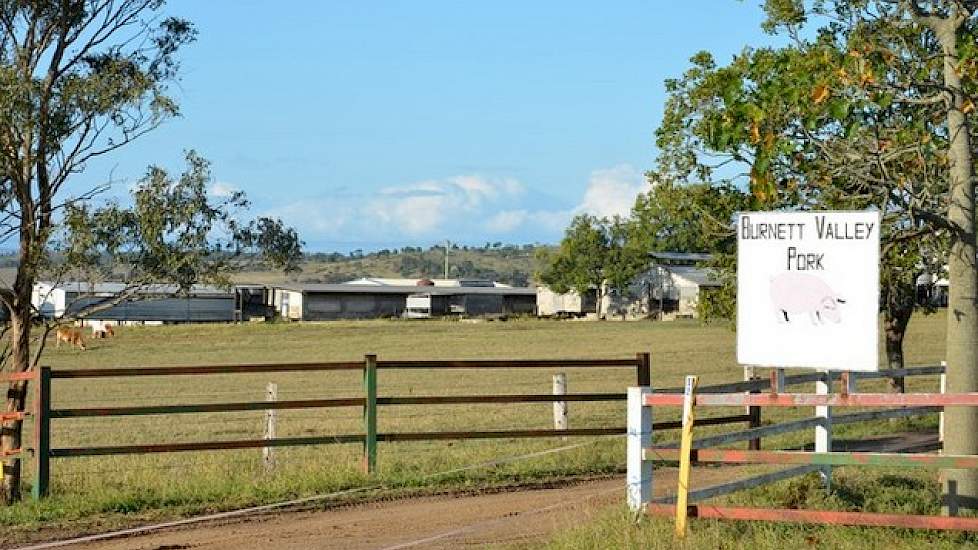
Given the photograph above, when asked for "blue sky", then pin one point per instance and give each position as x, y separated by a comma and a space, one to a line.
385, 124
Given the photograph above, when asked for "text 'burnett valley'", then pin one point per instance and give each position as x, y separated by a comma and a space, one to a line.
824, 230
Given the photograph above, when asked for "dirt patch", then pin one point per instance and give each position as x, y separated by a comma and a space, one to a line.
514, 516
444, 521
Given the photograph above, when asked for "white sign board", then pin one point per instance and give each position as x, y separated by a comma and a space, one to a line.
808, 289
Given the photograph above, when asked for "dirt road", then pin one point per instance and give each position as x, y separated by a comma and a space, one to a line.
429, 522
448, 521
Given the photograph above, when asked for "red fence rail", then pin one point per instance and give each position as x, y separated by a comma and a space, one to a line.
865, 519
695, 451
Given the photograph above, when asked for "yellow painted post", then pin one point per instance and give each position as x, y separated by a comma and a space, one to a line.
685, 455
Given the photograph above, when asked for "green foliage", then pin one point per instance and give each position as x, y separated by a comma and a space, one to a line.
578, 263
594, 252
80, 79
719, 304
172, 232
693, 217
673, 216
845, 120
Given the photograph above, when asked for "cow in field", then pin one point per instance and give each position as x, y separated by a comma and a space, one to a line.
102, 330
70, 335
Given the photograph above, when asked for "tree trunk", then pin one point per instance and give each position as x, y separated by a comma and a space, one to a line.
895, 320
12, 432
961, 423
18, 300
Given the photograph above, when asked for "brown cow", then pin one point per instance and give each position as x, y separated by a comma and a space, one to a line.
72, 336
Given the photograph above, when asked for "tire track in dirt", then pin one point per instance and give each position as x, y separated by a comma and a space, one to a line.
425, 522
523, 515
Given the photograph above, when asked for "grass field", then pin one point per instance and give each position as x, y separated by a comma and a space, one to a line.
109, 490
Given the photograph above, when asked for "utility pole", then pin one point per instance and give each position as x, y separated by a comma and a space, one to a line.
447, 244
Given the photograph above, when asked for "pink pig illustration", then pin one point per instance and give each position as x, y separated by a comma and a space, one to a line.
793, 293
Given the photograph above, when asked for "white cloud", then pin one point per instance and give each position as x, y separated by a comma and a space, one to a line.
432, 206
222, 190
609, 192
612, 191
463, 208
507, 220
432, 209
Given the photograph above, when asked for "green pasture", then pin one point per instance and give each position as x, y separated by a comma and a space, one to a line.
113, 490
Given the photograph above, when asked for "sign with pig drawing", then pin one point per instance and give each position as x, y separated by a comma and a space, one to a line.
808, 289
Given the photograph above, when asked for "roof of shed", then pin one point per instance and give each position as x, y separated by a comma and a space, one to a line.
346, 288
388, 281
681, 256
698, 275
155, 289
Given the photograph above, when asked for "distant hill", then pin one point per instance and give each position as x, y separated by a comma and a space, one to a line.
510, 264
505, 263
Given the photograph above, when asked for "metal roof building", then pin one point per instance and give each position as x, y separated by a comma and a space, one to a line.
387, 281
680, 258
321, 302
698, 276
148, 304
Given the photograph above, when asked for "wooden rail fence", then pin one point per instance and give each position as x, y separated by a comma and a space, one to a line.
44, 449
642, 454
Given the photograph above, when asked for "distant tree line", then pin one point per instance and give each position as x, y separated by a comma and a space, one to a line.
496, 261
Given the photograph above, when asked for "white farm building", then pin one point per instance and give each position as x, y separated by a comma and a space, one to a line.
380, 298
670, 288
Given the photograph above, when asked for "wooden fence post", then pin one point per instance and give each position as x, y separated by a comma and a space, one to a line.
685, 454
940, 422
753, 412
638, 477
643, 365
823, 431
755, 422
370, 414
42, 434
560, 407
268, 453
850, 382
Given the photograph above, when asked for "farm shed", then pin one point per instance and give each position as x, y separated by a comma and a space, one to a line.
152, 304
932, 290
381, 281
671, 287
253, 302
550, 303
322, 302
491, 300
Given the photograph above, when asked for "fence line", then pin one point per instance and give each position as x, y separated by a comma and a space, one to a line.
642, 453
369, 403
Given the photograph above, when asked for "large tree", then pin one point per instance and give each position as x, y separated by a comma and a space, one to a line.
595, 254
80, 79
809, 137
922, 57
686, 217
868, 106
678, 216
